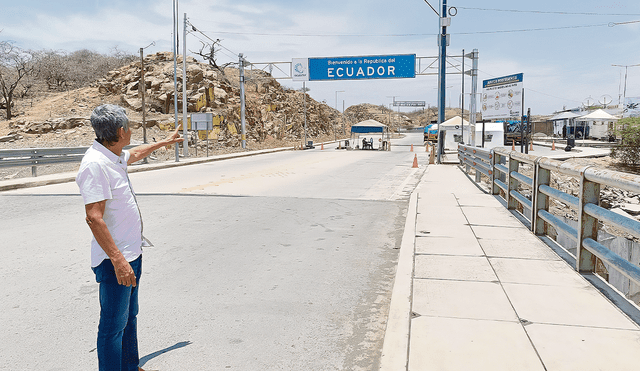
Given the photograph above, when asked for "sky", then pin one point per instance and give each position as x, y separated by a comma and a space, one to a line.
564, 49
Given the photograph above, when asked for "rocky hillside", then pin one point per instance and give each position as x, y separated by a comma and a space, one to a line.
273, 113
395, 119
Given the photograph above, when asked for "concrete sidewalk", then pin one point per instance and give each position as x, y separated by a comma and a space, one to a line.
476, 290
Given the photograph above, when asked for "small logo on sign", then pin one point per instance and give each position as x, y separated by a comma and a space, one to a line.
299, 68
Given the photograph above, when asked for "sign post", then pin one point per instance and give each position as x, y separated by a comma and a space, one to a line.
502, 97
202, 122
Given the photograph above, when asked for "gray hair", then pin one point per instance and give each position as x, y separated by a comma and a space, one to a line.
106, 120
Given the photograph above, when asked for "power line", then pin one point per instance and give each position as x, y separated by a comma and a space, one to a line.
610, 24
212, 40
547, 12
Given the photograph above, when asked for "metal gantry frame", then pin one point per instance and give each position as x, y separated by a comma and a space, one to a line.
423, 67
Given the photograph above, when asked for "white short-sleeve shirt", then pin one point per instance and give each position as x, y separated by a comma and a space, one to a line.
103, 176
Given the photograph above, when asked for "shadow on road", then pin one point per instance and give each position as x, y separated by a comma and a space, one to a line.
148, 357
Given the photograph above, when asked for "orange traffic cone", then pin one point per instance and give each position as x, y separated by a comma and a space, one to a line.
531, 146
411, 148
321, 146
513, 145
415, 161
553, 145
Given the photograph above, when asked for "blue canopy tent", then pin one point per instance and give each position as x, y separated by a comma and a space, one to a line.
371, 127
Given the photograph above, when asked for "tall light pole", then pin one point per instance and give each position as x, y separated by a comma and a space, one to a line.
142, 88
185, 144
175, 70
626, 67
243, 134
335, 136
443, 40
442, 73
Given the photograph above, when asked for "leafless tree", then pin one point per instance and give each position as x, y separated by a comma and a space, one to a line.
208, 53
53, 69
15, 65
59, 70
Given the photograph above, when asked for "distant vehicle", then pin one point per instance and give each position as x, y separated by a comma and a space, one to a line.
580, 131
431, 133
511, 131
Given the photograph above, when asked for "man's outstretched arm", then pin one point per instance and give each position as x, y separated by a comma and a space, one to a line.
144, 150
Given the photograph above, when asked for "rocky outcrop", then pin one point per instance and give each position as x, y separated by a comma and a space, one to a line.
43, 127
382, 114
271, 110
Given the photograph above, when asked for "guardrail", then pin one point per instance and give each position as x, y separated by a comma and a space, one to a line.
35, 157
502, 167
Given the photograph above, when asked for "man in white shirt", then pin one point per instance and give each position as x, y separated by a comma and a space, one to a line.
115, 221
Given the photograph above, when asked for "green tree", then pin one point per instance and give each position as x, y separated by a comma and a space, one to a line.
628, 151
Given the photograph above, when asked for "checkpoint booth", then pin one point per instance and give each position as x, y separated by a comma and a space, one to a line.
370, 134
456, 131
493, 134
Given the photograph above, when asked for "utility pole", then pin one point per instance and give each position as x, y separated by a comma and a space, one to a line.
242, 102
185, 133
442, 69
175, 71
462, 102
335, 136
304, 104
474, 91
142, 93
143, 89
626, 67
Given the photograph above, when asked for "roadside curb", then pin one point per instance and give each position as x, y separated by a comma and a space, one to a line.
395, 348
8, 185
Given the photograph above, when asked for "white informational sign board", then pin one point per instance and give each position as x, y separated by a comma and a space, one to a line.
631, 107
502, 97
202, 121
300, 69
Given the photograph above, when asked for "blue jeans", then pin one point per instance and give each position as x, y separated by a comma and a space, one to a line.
117, 331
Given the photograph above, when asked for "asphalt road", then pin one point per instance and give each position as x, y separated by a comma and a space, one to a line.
272, 262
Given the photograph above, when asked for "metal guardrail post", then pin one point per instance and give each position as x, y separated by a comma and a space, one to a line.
587, 224
540, 200
478, 173
498, 158
34, 172
492, 163
512, 183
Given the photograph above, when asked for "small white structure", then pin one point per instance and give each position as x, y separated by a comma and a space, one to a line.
455, 132
601, 124
493, 134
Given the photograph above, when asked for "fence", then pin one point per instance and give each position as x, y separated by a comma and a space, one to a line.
35, 157
502, 167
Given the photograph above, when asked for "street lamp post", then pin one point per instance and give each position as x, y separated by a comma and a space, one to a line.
442, 73
142, 88
335, 136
